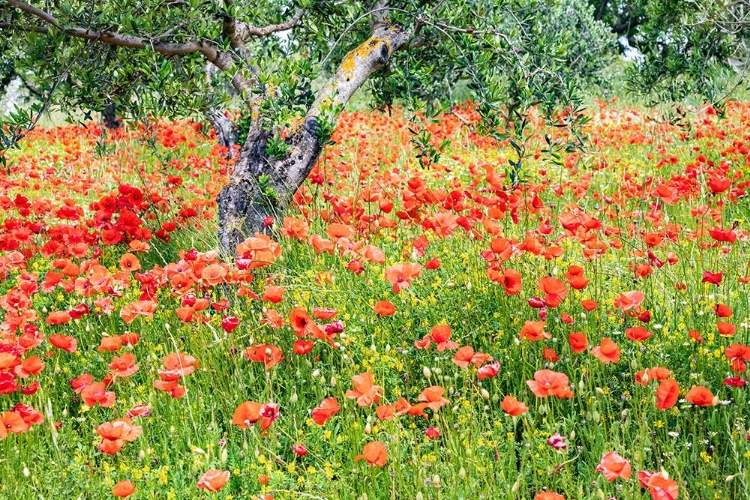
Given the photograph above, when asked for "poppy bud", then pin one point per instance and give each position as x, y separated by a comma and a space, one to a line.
536, 302
299, 449
368, 428
484, 393
426, 372
293, 398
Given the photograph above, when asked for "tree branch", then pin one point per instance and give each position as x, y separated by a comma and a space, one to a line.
36, 29
209, 50
245, 31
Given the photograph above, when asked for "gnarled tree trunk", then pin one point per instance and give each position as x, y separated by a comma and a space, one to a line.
262, 186
109, 116
226, 134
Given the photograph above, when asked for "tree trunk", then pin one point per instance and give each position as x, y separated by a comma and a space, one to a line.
109, 117
262, 186
226, 134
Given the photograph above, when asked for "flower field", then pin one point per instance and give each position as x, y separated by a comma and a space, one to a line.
407, 332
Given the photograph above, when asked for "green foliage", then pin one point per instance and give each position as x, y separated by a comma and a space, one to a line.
508, 54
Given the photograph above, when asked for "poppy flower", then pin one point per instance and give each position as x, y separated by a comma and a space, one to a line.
251, 412
441, 335
213, 480
513, 407
384, 308
534, 331
110, 343
58, 318
723, 311
123, 366
589, 305
696, 335
713, 278
576, 278
385, 412
274, 294
607, 351
64, 342
488, 371
401, 275
550, 355
432, 432
123, 489
659, 485
510, 279
463, 356
700, 396
327, 409
629, 300
578, 342
12, 422
138, 308
667, 394
549, 383
269, 355
554, 291
375, 453
638, 333
129, 262
139, 411
433, 396
96, 393
548, 495
612, 465
726, 329
116, 433
365, 391
557, 442
33, 365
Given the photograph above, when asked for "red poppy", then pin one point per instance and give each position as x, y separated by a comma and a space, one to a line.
549, 383
700, 396
327, 409
638, 333
123, 489
365, 391
606, 352
667, 394
578, 342
384, 308
513, 407
213, 480
375, 453
612, 465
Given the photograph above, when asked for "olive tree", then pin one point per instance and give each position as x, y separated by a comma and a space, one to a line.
295, 64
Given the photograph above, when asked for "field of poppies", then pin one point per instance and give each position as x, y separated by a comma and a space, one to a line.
408, 331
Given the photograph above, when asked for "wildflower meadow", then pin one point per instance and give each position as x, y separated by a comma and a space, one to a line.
409, 329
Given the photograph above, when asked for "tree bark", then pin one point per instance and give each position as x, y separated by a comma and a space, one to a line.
262, 187
226, 134
109, 116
